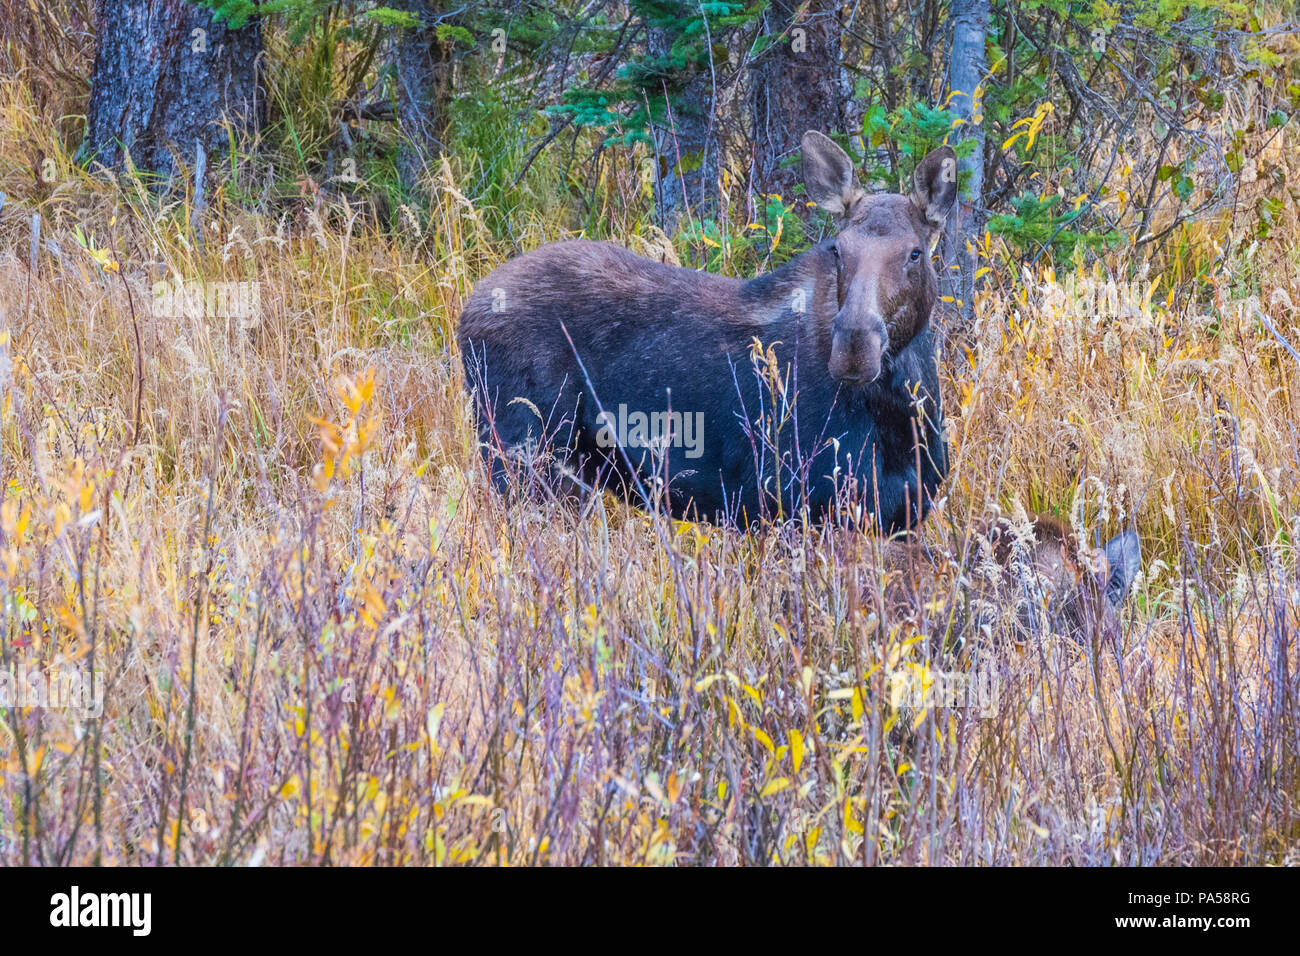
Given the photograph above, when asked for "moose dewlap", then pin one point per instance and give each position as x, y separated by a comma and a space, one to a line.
588, 359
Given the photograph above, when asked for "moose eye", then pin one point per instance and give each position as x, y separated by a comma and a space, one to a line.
916, 255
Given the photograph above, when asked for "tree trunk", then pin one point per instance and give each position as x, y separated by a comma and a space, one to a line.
686, 147
970, 24
422, 82
166, 77
797, 87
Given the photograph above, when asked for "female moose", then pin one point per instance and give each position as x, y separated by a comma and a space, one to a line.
584, 355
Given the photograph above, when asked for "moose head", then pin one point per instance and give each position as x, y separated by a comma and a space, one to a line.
887, 285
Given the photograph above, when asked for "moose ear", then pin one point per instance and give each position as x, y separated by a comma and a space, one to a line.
828, 174
1124, 556
934, 185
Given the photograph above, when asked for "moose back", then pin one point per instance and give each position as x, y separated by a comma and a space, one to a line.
587, 359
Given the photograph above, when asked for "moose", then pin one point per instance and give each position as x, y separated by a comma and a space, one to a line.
585, 357
1059, 584
1038, 568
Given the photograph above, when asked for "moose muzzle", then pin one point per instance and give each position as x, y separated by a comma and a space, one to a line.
857, 349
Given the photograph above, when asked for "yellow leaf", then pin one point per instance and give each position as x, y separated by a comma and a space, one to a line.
776, 239
432, 719
850, 823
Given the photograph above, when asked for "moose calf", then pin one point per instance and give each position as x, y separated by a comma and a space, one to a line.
1037, 574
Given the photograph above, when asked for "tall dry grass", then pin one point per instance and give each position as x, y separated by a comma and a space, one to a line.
322, 638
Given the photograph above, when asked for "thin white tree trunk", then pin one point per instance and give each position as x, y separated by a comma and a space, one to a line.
970, 25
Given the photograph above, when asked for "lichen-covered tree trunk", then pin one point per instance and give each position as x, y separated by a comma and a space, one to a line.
168, 76
970, 24
797, 87
422, 68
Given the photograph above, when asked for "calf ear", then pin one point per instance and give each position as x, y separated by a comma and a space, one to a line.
934, 185
1124, 555
828, 175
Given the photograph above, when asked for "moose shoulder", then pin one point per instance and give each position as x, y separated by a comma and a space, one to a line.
586, 356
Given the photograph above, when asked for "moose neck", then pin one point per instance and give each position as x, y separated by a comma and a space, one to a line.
803, 290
